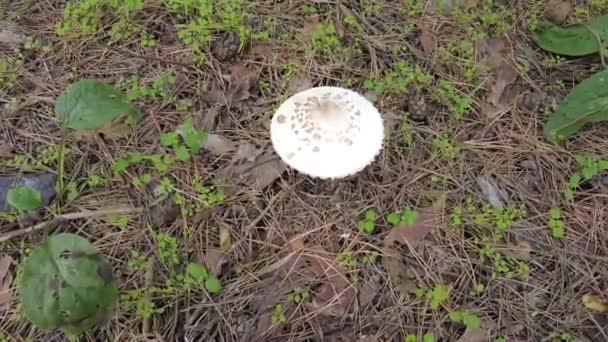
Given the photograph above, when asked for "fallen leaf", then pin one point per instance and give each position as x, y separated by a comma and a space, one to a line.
214, 96
6, 280
474, 335
403, 276
225, 240
427, 220
499, 55
427, 38
213, 260
594, 303
44, 183
557, 10
256, 173
491, 191
241, 80
217, 145
368, 291
226, 46
262, 49
336, 293
164, 214
298, 83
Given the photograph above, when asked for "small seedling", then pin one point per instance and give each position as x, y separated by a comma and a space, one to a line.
589, 166
299, 295
406, 217
139, 299
369, 257
368, 223
428, 337
438, 295
468, 318
277, 315
556, 223
347, 260
190, 144
197, 274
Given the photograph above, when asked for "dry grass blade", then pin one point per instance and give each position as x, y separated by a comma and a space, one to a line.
6, 280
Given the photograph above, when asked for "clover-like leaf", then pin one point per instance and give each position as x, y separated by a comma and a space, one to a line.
24, 197
588, 102
66, 284
93, 104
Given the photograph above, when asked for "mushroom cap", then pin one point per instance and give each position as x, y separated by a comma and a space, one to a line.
327, 132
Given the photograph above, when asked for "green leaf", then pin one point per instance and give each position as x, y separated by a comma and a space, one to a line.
181, 152
24, 197
120, 165
197, 272
394, 219
456, 316
370, 215
90, 104
471, 320
588, 102
169, 139
66, 284
410, 338
574, 40
213, 285
428, 337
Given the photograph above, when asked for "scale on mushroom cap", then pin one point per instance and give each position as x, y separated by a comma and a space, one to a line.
327, 132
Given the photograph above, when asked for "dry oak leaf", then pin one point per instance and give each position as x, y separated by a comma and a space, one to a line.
427, 38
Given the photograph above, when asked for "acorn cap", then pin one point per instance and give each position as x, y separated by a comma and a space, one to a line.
327, 132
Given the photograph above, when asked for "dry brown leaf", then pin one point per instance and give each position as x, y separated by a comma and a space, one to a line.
250, 170
557, 10
225, 240
369, 291
262, 49
242, 80
164, 214
427, 38
474, 335
10, 35
497, 52
6, 280
213, 260
594, 303
403, 276
506, 74
298, 83
336, 293
217, 145
427, 220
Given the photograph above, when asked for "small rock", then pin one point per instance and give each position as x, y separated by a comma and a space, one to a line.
557, 11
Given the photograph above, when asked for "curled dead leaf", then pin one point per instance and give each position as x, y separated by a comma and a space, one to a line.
242, 80
217, 145
594, 303
491, 191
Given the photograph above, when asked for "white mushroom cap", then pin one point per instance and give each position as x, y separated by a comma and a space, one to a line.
327, 132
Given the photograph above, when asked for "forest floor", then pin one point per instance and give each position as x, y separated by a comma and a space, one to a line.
502, 252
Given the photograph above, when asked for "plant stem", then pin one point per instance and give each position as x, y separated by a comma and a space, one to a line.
61, 166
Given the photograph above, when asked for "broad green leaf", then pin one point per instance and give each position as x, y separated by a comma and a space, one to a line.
24, 197
92, 104
471, 320
574, 40
394, 219
588, 102
456, 316
65, 284
213, 285
197, 272
181, 152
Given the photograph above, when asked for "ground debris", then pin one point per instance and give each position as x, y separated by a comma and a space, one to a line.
492, 192
498, 53
251, 169
242, 79
557, 11
6, 280
594, 303
427, 38
10, 35
403, 275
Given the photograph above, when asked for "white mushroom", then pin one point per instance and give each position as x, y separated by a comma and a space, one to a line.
327, 132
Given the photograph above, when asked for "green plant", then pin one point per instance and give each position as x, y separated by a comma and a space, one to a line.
428, 337
589, 166
197, 274
407, 217
368, 223
324, 40
120, 221
298, 295
24, 198
438, 295
555, 223
575, 40
445, 148
369, 257
167, 249
208, 195
278, 316
138, 262
398, 78
66, 284
348, 260
192, 139
468, 318
139, 299
586, 103
410, 338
